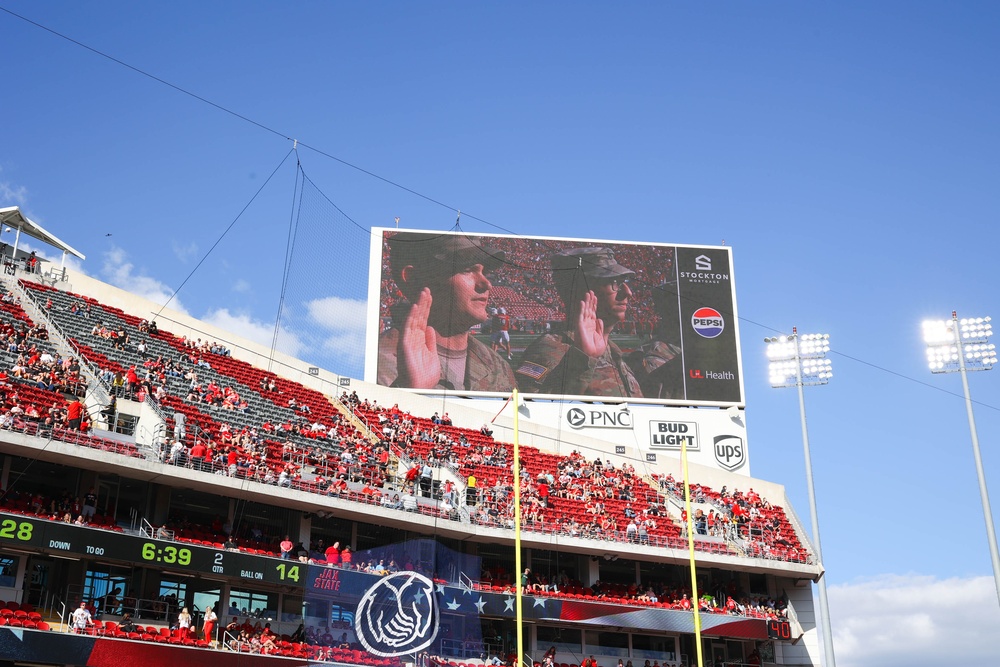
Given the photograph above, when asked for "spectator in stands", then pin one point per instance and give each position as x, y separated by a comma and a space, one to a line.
426, 479
409, 501
74, 414
286, 546
208, 627
89, 504
81, 618
184, 621
332, 554
126, 624
583, 360
429, 346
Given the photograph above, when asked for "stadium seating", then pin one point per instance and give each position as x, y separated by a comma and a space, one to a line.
286, 448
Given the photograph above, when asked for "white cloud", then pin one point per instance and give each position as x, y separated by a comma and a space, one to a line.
186, 252
344, 320
338, 314
914, 621
16, 195
242, 286
120, 272
255, 330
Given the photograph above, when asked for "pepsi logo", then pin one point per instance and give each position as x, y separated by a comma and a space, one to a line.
707, 322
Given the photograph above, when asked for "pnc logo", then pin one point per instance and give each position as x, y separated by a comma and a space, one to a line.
580, 418
576, 417
707, 322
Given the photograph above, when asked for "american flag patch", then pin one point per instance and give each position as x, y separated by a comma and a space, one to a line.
534, 371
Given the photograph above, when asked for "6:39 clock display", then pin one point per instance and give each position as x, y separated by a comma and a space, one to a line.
168, 555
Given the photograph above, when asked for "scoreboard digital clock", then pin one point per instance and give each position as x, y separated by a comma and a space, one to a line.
58, 537
779, 630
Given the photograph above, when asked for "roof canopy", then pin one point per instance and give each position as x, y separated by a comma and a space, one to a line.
11, 216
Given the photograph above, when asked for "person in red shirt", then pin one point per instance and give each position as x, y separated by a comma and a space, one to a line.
232, 461
74, 414
286, 547
132, 379
333, 554
197, 455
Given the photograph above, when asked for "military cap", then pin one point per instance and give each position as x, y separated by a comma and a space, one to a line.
594, 262
447, 251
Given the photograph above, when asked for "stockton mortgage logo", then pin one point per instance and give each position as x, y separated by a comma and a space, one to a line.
730, 451
703, 272
397, 615
671, 435
580, 418
707, 322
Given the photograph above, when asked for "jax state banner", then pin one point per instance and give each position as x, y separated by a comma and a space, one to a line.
395, 604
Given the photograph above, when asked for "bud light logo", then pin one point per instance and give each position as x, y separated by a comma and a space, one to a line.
708, 322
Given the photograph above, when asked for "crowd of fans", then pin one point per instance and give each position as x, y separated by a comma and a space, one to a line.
745, 516
453, 472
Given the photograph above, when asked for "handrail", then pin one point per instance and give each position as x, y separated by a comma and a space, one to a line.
62, 612
228, 639
56, 336
146, 530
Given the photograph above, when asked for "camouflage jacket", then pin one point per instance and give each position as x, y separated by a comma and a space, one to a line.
485, 370
658, 368
553, 364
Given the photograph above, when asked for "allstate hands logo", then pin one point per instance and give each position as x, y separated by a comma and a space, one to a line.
397, 615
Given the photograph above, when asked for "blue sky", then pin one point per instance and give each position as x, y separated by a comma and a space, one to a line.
846, 151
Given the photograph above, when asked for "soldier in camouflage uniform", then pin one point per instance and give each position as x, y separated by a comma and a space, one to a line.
429, 345
657, 364
583, 360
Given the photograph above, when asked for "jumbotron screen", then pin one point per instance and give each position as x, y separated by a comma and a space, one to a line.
560, 318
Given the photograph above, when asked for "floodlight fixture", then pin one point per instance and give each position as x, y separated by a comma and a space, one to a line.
954, 343
799, 360
959, 346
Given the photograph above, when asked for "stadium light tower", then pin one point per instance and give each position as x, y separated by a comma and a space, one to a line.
798, 361
958, 346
